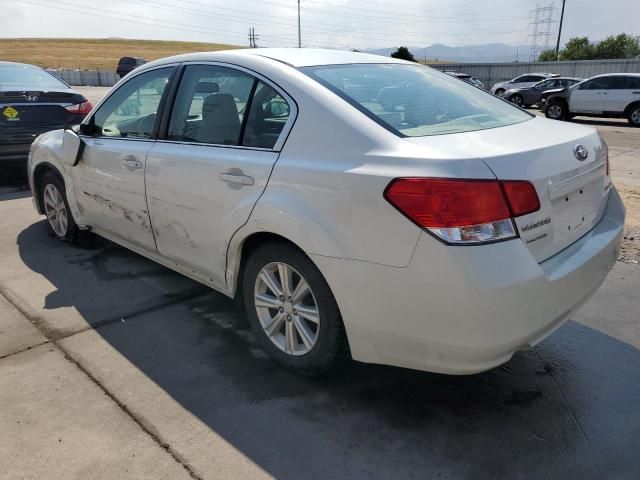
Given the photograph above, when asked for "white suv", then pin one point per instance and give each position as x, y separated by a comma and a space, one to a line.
611, 95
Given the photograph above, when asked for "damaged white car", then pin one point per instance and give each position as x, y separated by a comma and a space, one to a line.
359, 205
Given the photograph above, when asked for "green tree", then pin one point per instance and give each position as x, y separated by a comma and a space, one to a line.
618, 46
578, 48
404, 54
547, 56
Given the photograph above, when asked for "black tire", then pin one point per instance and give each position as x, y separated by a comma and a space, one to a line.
500, 92
72, 232
331, 344
517, 99
633, 115
556, 110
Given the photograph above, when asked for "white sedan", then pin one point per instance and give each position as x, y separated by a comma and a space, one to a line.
442, 230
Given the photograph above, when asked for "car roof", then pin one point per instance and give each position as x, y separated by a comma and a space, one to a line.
295, 57
16, 64
621, 74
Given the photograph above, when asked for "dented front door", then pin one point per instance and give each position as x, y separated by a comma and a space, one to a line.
110, 188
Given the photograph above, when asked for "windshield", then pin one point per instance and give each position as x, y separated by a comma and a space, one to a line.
415, 101
28, 76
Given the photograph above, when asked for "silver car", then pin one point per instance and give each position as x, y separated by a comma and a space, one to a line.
523, 81
442, 232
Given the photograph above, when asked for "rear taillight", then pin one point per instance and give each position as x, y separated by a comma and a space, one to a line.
463, 211
80, 108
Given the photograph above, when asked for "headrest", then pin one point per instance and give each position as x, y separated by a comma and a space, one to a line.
207, 87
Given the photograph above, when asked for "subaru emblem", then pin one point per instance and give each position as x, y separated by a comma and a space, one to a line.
581, 152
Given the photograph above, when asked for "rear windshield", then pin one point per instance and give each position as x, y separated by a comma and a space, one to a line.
27, 76
415, 101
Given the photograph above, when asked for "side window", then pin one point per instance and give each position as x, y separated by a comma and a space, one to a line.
268, 115
619, 83
633, 83
210, 105
131, 110
596, 84
545, 85
521, 79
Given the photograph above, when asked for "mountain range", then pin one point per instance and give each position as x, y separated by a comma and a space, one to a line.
489, 53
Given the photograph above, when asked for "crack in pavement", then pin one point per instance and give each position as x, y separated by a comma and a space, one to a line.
7, 355
147, 428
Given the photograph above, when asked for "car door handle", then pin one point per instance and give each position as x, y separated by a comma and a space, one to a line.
131, 162
636, 93
236, 178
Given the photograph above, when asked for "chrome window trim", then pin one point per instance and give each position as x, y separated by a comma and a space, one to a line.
219, 145
286, 130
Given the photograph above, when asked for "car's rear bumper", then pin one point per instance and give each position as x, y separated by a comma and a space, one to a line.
14, 152
463, 310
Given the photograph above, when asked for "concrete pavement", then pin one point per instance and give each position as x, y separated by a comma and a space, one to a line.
144, 374
114, 367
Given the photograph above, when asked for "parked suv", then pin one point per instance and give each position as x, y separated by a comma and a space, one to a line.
127, 64
522, 81
610, 95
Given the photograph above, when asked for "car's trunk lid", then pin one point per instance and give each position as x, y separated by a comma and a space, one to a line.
572, 192
24, 109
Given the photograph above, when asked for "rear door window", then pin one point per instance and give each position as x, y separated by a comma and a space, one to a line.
223, 106
210, 105
268, 116
596, 84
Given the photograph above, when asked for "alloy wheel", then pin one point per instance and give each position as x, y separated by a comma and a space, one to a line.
555, 111
287, 308
56, 210
635, 116
517, 99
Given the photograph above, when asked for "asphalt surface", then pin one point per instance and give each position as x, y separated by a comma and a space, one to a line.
112, 366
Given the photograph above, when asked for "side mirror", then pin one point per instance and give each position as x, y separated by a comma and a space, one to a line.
88, 129
72, 148
278, 109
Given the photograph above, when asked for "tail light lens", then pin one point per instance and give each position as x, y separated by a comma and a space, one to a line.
80, 108
463, 211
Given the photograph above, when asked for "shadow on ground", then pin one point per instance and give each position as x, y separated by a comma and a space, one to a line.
568, 409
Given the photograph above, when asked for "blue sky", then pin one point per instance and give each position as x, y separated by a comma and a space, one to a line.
329, 23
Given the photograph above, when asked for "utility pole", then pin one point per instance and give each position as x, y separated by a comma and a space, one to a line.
253, 37
559, 32
299, 29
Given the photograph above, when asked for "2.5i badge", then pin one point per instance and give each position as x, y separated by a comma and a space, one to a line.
11, 114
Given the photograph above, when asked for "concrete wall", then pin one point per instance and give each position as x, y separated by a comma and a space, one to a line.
90, 78
490, 73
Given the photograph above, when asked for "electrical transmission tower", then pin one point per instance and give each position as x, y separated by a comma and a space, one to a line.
253, 38
542, 30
